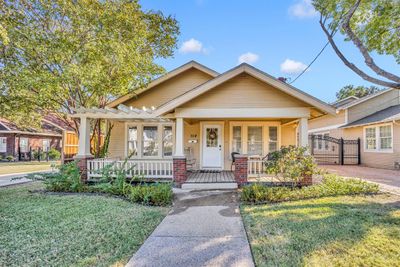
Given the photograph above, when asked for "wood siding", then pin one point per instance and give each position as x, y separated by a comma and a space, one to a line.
244, 91
327, 120
376, 159
169, 89
374, 104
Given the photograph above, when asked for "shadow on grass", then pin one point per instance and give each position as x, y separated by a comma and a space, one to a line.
331, 231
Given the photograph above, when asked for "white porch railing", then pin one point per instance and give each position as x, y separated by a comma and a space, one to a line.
255, 167
150, 169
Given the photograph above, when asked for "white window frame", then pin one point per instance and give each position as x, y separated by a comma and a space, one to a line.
265, 134
160, 128
324, 143
378, 138
49, 144
3, 150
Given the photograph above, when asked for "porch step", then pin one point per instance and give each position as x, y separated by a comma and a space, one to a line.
209, 186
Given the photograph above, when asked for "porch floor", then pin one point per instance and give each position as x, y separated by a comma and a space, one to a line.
210, 177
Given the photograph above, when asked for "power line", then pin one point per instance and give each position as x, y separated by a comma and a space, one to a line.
309, 65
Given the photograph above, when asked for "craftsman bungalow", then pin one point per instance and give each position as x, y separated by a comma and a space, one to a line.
193, 119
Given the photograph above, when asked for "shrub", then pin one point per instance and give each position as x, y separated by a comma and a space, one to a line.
67, 179
157, 194
332, 185
54, 154
290, 164
10, 158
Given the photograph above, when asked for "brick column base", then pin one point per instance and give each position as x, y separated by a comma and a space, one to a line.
307, 180
240, 169
81, 161
180, 173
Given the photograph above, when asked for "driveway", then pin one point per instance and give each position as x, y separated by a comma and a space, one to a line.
388, 179
7, 179
204, 228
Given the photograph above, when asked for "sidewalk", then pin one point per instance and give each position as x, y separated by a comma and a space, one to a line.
6, 179
203, 229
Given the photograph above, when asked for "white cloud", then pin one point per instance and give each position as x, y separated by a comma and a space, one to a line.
192, 46
303, 9
249, 58
290, 66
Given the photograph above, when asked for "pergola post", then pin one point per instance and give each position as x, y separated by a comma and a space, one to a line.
83, 147
303, 132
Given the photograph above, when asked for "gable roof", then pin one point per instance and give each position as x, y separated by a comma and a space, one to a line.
365, 98
344, 101
163, 78
256, 73
384, 115
46, 128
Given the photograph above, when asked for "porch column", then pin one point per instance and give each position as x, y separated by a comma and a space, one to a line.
179, 146
303, 132
83, 147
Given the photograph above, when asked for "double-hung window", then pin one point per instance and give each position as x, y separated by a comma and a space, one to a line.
237, 139
23, 145
3, 144
46, 144
150, 140
273, 138
254, 140
378, 138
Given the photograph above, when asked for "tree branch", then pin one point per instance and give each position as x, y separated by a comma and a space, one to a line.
364, 51
353, 67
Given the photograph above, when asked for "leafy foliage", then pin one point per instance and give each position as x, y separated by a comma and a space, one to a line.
332, 185
67, 179
358, 91
113, 181
59, 55
290, 164
155, 195
54, 154
373, 26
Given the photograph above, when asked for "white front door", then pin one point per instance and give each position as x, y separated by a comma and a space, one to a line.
212, 150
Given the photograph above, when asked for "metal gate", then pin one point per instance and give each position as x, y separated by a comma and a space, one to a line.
329, 150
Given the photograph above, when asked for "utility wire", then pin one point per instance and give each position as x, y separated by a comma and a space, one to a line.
309, 65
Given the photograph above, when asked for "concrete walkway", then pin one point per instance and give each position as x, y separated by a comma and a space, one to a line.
388, 180
203, 229
7, 179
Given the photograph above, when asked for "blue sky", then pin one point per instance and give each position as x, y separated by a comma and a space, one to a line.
279, 37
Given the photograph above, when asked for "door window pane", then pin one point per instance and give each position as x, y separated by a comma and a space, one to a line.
385, 135
273, 139
150, 141
237, 139
254, 140
132, 141
212, 137
167, 141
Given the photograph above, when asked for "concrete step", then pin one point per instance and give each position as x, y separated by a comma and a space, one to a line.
209, 186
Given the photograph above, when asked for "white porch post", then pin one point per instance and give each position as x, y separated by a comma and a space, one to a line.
84, 138
179, 151
303, 132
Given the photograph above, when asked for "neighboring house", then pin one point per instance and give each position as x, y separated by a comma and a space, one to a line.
375, 119
17, 141
198, 115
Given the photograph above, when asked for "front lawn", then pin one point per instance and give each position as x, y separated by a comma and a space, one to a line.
40, 229
29, 166
331, 231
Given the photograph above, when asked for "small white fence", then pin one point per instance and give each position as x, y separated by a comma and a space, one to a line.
255, 167
150, 169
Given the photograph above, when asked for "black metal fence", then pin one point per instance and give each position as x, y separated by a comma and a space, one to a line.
329, 150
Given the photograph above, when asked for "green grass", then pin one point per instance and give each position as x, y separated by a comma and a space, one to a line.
19, 167
38, 229
332, 231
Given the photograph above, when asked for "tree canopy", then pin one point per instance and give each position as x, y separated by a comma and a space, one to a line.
373, 26
358, 91
57, 55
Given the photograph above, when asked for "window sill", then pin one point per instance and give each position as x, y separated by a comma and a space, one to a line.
378, 151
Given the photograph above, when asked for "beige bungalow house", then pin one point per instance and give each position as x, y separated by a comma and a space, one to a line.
193, 119
375, 119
